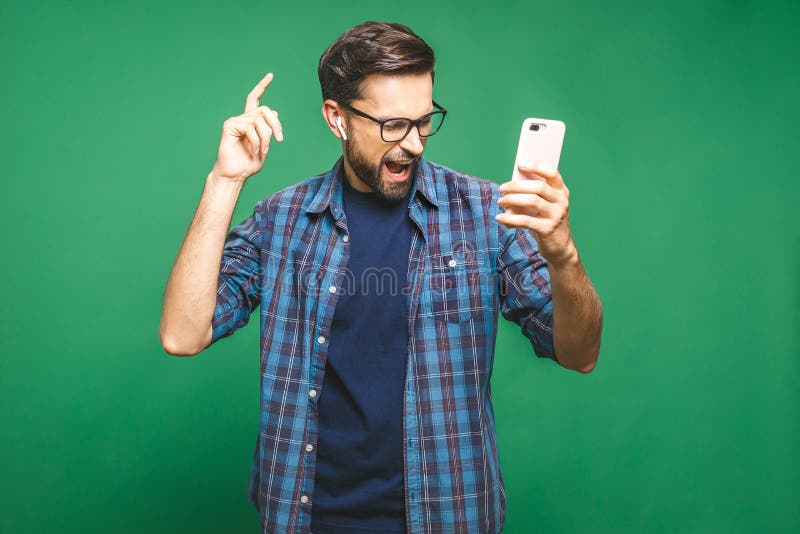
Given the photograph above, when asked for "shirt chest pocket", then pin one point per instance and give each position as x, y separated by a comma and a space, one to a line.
454, 288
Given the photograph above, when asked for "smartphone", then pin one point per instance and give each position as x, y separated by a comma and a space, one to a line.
540, 141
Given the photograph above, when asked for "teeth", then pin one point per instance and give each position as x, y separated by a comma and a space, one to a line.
402, 171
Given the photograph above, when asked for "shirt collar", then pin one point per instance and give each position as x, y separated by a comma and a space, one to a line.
330, 192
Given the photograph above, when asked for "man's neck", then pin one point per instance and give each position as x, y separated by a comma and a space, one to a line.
353, 180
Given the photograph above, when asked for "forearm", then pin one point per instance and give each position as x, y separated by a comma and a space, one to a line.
190, 294
577, 315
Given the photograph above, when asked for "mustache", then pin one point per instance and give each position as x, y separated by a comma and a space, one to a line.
401, 160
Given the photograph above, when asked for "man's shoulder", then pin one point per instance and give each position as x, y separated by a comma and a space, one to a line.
459, 183
297, 194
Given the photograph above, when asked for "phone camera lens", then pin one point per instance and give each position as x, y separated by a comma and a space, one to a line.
535, 127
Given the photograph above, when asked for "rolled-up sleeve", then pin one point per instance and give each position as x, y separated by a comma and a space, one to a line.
240, 276
524, 287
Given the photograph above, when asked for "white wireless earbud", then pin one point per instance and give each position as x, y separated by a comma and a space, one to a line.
341, 130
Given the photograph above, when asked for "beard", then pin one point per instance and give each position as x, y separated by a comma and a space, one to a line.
369, 173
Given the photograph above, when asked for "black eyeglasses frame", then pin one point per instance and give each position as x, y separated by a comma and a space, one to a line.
411, 122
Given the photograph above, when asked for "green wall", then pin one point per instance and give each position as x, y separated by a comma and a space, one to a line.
681, 155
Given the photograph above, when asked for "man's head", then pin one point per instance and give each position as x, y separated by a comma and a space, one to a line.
383, 70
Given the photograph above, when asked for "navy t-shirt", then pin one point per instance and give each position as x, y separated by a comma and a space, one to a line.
359, 472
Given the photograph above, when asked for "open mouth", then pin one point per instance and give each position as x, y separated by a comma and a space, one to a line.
398, 171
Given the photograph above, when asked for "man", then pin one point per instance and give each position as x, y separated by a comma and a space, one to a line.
376, 412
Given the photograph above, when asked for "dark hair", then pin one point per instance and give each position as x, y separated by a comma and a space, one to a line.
371, 48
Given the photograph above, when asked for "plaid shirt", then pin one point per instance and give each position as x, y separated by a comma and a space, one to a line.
290, 257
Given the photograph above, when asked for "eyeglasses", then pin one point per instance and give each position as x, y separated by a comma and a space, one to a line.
397, 128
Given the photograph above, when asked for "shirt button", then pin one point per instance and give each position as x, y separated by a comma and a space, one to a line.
321, 339
452, 263
304, 498
332, 289
309, 447
312, 393
346, 238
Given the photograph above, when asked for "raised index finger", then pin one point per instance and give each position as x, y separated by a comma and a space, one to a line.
258, 91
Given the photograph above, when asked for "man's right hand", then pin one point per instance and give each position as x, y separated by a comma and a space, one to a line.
245, 138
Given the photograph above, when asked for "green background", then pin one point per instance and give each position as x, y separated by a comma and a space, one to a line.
681, 155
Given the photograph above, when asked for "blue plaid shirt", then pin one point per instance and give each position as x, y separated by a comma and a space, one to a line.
465, 268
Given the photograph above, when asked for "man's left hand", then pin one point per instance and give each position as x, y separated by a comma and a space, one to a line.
543, 207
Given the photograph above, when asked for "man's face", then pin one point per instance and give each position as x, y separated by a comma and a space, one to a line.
366, 154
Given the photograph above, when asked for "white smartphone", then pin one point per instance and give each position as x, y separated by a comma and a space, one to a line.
540, 141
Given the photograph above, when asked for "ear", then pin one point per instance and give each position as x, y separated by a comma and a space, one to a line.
330, 111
